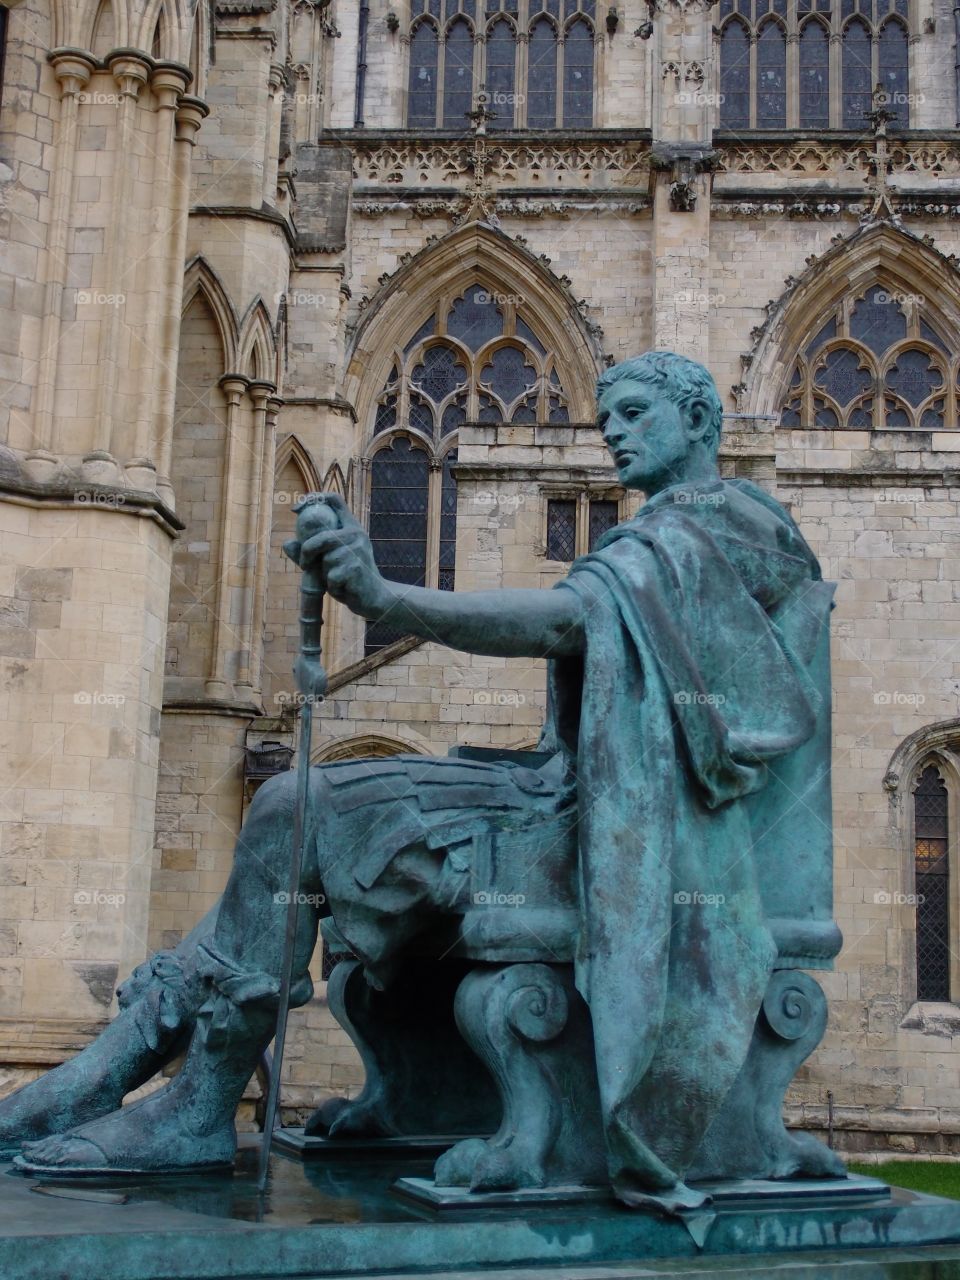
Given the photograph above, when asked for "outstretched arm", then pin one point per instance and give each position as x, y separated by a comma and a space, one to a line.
508, 623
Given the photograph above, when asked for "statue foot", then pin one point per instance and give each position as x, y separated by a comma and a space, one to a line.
484, 1166
807, 1157
60, 1100
157, 1135
343, 1118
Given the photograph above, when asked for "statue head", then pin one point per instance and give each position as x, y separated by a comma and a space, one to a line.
661, 419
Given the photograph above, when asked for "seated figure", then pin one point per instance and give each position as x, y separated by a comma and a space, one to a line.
685, 760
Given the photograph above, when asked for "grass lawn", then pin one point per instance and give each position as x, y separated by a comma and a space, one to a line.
937, 1177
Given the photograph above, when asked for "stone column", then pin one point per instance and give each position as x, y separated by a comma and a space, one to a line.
221, 679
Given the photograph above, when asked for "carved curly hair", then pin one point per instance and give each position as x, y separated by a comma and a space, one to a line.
678, 377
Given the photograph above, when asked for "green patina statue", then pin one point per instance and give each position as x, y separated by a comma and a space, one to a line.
614, 924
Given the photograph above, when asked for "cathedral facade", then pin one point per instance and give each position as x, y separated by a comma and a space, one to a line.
255, 248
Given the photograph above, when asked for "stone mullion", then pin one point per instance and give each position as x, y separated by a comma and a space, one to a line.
434, 487
257, 512
131, 71
233, 387
752, 45
558, 119
599, 80
836, 79
168, 83
522, 84
441, 73
793, 75
271, 158
73, 71
582, 533
405, 76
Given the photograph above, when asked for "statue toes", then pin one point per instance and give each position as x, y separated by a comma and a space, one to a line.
505, 1168
455, 1167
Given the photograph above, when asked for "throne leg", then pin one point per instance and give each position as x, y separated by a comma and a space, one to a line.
530, 1028
748, 1139
421, 1079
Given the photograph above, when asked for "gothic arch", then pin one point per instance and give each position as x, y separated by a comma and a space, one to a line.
174, 20
334, 481
476, 252
109, 29
291, 449
257, 356
367, 746
201, 278
879, 253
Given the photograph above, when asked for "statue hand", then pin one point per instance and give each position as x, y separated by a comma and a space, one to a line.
343, 561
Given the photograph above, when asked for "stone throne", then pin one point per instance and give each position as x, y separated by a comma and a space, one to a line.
484, 1032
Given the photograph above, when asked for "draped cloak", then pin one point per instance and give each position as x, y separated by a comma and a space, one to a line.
701, 616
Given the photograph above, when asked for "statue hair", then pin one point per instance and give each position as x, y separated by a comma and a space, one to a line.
678, 377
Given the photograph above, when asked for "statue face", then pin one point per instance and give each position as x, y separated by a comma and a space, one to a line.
648, 435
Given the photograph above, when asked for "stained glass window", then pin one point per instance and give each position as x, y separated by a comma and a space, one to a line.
476, 358
814, 76
880, 360
458, 47
422, 100
776, 74
932, 886
603, 516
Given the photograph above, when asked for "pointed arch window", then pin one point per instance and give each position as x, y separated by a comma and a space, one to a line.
932, 884
880, 360
476, 358
775, 62
462, 53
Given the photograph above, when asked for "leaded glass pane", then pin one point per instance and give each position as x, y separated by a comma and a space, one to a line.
561, 529
823, 415
558, 411
914, 376
448, 523
932, 876
422, 98
439, 374
475, 318
861, 416
735, 76
877, 321
932, 419
542, 76
603, 516
399, 489
421, 416
857, 87
842, 377
791, 414
526, 333
501, 74
386, 414
526, 411
814, 77
507, 375
454, 416
897, 416
489, 410
826, 334
458, 75
426, 330
772, 77
930, 334
893, 71
578, 76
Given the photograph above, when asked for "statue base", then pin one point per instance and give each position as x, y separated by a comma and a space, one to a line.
333, 1219
305, 1146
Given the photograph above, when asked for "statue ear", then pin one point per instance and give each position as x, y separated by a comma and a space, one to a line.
698, 418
